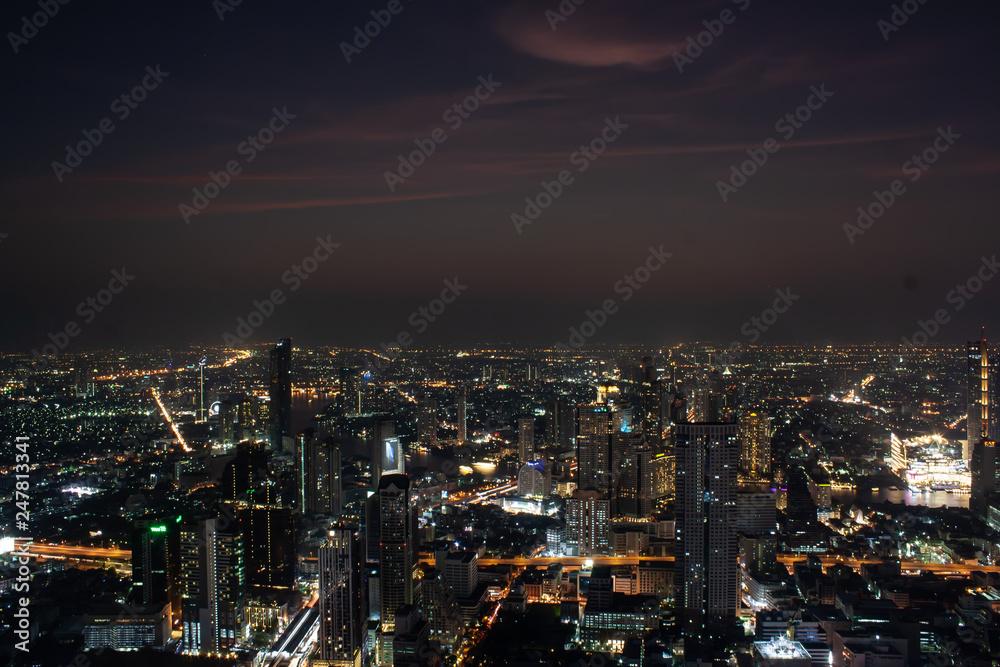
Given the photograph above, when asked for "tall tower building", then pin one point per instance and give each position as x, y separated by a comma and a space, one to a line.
985, 478
706, 541
652, 403
755, 445
155, 563
593, 447
461, 416
268, 529
318, 473
526, 439
280, 392
560, 423
982, 419
343, 603
636, 491
588, 517
427, 421
349, 399
212, 585
396, 556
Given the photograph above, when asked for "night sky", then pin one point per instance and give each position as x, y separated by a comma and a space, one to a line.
656, 184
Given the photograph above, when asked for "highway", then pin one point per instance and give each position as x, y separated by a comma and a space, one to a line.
79, 553
124, 556
296, 642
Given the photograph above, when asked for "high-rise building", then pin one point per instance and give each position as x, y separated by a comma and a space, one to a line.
636, 492
228, 409
349, 399
982, 401
280, 392
754, 434
318, 474
593, 446
411, 636
652, 403
706, 541
396, 556
560, 423
588, 516
440, 608
268, 529
985, 477
343, 603
156, 563
212, 585
805, 533
460, 409
526, 439
534, 480
427, 421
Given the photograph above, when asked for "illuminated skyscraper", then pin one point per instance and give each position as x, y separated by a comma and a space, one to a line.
982, 427
155, 563
461, 417
560, 423
652, 404
982, 420
396, 556
349, 400
706, 541
588, 517
318, 473
427, 421
593, 446
755, 445
635, 488
280, 391
526, 439
343, 613
212, 585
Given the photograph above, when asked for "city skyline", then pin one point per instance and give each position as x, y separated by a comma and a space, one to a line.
455, 334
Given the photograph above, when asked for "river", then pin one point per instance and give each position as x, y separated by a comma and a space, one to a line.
930, 499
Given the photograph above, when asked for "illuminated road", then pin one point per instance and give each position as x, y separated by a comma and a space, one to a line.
94, 553
123, 555
166, 415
